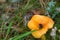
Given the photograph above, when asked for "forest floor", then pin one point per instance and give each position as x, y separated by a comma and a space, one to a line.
15, 14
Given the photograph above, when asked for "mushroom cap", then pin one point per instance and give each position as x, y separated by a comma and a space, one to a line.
39, 33
33, 24
44, 20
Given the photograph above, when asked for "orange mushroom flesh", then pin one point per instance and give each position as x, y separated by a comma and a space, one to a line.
41, 24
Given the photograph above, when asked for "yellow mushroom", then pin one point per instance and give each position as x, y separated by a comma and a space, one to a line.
41, 24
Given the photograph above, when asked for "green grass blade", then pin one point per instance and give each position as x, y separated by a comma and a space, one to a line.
8, 30
21, 36
27, 4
